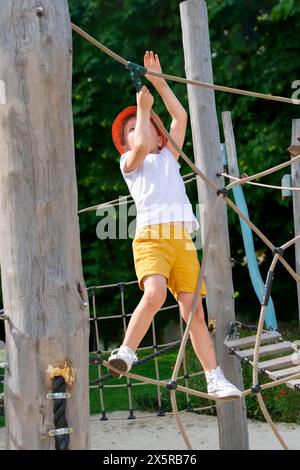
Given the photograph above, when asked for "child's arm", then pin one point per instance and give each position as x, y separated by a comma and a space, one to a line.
173, 105
142, 133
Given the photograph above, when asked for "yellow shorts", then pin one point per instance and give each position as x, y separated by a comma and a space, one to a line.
168, 250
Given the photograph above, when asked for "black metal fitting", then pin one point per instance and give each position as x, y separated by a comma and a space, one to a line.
121, 286
103, 417
136, 71
91, 291
131, 415
256, 388
172, 385
223, 191
231, 328
96, 360
278, 251
267, 288
136, 68
189, 408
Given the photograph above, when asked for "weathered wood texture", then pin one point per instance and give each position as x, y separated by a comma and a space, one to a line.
269, 337
207, 150
295, 171
39, 231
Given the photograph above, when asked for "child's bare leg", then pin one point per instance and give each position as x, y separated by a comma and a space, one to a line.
155, 292
200, 337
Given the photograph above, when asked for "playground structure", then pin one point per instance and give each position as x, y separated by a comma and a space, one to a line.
25, 336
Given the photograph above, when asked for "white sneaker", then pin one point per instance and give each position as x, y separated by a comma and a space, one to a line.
219, 386
122, 359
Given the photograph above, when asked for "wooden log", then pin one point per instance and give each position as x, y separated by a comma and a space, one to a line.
279, 374
39, 232
295, 172
277, 363
284, 346
294, 384
271, 337
232, 420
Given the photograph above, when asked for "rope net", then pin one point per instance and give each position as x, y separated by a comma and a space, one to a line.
102, 381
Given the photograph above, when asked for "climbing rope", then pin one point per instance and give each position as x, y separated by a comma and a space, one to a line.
196, 83
60, 376
222, 195
62, 431
234, 178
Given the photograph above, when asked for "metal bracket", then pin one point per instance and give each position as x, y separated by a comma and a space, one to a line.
3, 316
39, 11
58, 395
60, 432
212, 323
136, 71
83, 304
232, 330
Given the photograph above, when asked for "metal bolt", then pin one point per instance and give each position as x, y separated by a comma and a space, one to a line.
40, 11
61, 431
58, 396
83, 304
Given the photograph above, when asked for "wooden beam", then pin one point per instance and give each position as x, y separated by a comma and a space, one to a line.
277, 363
232, 420
279, 374
294, 384
271, 337
268, 350
39, 231
295, 172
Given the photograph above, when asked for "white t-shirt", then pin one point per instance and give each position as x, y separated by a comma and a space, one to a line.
158, 191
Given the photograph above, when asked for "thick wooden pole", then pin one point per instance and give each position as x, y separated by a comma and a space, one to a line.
40, 257
207, 150
295, 171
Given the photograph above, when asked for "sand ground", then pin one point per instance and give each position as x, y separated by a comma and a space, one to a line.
150, 432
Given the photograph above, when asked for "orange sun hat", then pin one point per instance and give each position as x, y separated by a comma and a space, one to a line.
118, 124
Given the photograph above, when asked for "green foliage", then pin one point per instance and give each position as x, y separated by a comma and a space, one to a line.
254, 46
282, 403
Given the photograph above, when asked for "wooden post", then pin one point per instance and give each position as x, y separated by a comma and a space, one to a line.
42, 280
207, 150
295, 172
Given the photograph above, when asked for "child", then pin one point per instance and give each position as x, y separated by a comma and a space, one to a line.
164, 253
